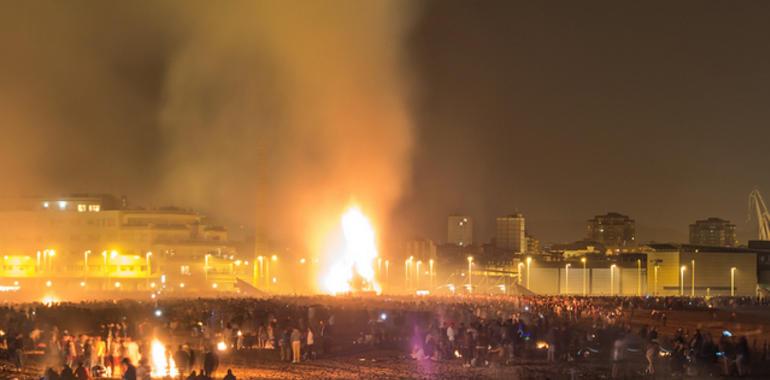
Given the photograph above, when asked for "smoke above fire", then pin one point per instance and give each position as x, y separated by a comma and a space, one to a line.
290, 110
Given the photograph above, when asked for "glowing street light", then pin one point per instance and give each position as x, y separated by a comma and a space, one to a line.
612, 279
85, 261
638, 277
566, 278
417, 273
104, 255
681, 280
470, 274
206, 266
147, 259
692, 286
431, 273
529, 265
387, 270
732, 281
583, 260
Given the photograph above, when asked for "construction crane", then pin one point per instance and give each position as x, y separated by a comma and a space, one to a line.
763, 217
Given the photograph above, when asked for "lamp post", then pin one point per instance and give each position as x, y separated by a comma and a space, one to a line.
655, 278
732, 281
387, 270
147, 260
431, 264
85, 262
612, 279
206, 266
681, 280
521, 271
638, 277
566, 278
583, 260
417, 273
104, 256
407, 266
470, 274
692, 286
529, 265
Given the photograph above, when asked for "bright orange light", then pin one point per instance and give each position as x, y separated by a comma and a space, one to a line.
162, 365
357, 256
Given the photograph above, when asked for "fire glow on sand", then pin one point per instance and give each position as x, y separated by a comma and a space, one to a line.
355, 262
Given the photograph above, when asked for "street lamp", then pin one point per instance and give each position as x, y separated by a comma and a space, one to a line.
692, 286
206, 266
529, 265
147, 259
638, 277
417, 273
430, 272
612, 279
566, 278
732, 281
85, 262
470, 269
387, 271
681, 280
583, 260
104, 255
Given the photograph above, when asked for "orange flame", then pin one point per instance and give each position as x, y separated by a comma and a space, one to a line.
357, 257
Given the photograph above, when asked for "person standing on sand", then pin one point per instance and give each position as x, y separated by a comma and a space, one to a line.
296, 344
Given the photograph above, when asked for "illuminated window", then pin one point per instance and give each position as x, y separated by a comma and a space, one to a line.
185, 270
94, 208
82, 208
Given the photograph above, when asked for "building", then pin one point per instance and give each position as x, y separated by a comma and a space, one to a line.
460, 230
714, 232
511, 233
613, 230
701, 270
533, 244
98, 242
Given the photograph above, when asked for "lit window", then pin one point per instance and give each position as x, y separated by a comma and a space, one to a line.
82, 208
94, 208
185, 270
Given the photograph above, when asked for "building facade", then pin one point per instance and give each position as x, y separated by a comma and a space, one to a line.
713, 232
511, 233
613, 230
460, 230
98, 243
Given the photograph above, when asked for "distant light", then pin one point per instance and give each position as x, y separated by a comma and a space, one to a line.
45, 205
158, 312
302, 260
274, 257
152, 295
82, 284
48, 283
275, 280
422, 292
181, 284
113, 254
49, 300
117, 284
152, 285
62, 205
215, 285
240, 333
15, 283
163, 279
221, 346
383, 317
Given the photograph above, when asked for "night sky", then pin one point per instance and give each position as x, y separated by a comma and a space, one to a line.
559, 110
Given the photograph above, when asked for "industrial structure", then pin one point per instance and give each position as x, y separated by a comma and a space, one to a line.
763, 217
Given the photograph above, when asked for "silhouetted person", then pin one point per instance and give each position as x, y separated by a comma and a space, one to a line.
229, 375
210, 363
129, 371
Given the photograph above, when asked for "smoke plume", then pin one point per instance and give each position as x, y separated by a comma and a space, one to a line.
290, 110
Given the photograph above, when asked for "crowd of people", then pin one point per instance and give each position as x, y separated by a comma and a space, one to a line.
119, 339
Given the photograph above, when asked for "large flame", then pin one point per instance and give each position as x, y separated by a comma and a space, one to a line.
163, 364
357, 256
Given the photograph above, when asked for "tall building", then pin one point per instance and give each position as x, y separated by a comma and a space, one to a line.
714, 232
511, 233
614, 230
460, 230
533, 244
